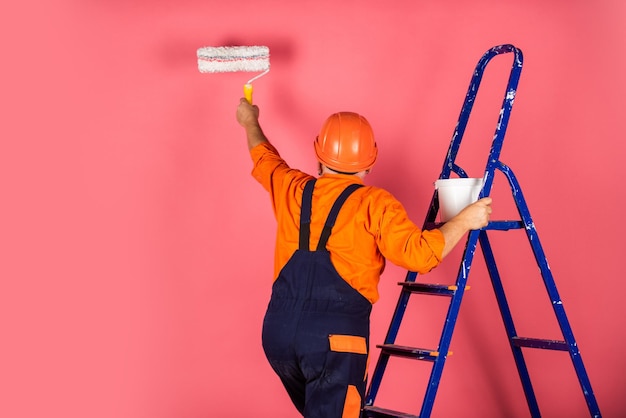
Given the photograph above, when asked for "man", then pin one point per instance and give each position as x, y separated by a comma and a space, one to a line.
334, 235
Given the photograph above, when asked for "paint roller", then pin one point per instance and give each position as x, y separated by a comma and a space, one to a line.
223, 59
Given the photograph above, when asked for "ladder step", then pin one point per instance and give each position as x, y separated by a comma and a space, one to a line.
410, 352
540, 343
374, 411
430, 289
504, 225
493, 225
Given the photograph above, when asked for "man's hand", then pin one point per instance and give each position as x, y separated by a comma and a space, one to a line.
248, 117
474, 216
247, 114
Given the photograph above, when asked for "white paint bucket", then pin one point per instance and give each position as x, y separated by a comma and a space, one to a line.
455, 194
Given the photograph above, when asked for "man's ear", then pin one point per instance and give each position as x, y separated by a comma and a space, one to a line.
319, 169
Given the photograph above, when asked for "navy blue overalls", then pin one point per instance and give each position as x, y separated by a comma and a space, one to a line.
316, 329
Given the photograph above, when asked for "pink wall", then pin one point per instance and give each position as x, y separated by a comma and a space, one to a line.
136, 250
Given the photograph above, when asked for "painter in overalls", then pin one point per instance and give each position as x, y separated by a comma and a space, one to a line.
334, 235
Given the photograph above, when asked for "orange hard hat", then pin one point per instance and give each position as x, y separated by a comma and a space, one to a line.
346, 143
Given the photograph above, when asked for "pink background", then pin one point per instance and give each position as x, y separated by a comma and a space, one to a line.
136, 249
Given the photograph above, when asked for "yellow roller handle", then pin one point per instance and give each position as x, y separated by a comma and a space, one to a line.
247, 92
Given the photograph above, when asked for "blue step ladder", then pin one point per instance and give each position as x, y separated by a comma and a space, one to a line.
439, 355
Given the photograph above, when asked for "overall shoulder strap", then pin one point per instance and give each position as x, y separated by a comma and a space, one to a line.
305, 215
332, 216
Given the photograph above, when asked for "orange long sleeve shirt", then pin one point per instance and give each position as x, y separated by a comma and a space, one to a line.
372, 225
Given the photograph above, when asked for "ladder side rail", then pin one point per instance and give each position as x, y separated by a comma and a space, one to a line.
449, 166
400, 309
376, 379
390, 338
550, 285
450, 322
509, 325
470, 97
398, 315
503, 122
459, 130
